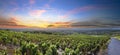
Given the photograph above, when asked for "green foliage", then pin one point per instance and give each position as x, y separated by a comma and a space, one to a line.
48, 44
3, 52
52, 50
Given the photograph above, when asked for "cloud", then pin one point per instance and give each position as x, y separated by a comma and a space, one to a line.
14, 19
98, 22
29, 23
65, 16
37, 12
46, 6
4, 21
77, 10
9, 23
32, 1
60, 24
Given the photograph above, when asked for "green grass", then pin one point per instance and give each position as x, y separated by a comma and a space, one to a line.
20, 43
117, 37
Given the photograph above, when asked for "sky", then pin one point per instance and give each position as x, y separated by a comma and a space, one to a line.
59, 13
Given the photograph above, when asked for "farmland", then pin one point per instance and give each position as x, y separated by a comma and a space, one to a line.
26, 43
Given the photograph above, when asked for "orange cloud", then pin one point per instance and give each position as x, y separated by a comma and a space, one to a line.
14, 19
60, 24
40, 23
17, 22
10, 23
37, 12
30, 23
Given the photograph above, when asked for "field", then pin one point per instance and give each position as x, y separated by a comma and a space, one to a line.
26, 43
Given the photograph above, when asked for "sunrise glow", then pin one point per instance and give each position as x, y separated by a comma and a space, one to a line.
59, 13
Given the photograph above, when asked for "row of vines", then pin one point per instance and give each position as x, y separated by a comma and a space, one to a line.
20, 43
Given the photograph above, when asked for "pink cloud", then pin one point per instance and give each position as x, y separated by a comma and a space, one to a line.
46, 5
37, 12
77, 10
32, 1
65, 16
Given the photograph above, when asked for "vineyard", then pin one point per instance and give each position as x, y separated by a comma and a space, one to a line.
21, 43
